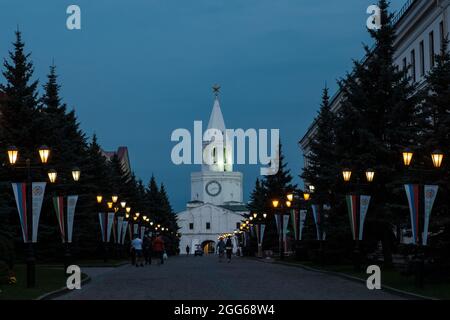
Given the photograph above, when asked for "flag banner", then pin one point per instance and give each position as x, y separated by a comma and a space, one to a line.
430, 193
103, 218
257, 234
302, 223
20, 194
285, 229
251, 230
261, 232
114, 229
71, 205
285, 226
295, 222
124, 231
317, 214
58, 204
119, 229
110, 222
364, 202
142, 232
357, 207
130, 230
135, 230
278, 223
413, 195
37, 195
352, 207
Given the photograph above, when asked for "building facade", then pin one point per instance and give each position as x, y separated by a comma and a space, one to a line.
216, 205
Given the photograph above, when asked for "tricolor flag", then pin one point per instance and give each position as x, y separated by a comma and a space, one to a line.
58, 203
295, 218
420, 200
357, 210
20, 194
317, 215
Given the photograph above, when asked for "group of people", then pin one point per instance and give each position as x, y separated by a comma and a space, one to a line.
142, 250
222, 248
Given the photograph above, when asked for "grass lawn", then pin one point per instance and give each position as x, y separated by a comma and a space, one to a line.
48, 279
392, 278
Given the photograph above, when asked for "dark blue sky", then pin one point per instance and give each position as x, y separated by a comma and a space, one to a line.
139, 69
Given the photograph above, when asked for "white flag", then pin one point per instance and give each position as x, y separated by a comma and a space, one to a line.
430, 192
110, 224
71, 204
37, 191
364, 202
119, 229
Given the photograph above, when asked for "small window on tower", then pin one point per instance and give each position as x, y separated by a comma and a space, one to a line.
208, 225
191, 226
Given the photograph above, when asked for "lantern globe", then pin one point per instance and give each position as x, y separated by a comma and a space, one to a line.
13, 154
437, 156
44, 153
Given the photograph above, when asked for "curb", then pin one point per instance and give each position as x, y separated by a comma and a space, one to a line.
352, 278
61, 291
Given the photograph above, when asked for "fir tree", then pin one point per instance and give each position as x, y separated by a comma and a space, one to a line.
375, 123
322, 170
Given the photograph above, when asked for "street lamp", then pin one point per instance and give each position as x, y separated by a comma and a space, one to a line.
437, 156
76, 172
110, 204
13, 153
306, 196
99, 199
52, 174
407, 157
123, 204
370, 174
13, 157
44, 154
346, 174
279, 208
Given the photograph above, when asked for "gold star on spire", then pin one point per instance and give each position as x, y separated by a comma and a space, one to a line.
216, 89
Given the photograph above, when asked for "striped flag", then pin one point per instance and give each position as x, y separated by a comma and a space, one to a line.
58, 203
20, 194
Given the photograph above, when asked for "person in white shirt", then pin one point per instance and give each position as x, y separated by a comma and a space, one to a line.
136, 244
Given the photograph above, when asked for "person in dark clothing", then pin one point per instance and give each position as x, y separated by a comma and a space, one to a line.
229, 248
188, 250
147, 247
158, 248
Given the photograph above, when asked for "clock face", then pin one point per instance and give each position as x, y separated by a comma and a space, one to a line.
213, 188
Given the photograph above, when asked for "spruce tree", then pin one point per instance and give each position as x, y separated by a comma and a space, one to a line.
375, 123
322, 169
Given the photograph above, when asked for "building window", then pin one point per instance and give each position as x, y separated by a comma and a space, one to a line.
441, 33
422, 58
405, 68
432, 54
208, 225
238, 225
413, 65
191, 226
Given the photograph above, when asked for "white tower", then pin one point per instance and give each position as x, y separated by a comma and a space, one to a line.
217, 183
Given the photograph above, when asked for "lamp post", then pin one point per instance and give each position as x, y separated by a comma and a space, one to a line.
421, 199
13, 157
259, 219
52, 176
356, 221
280, 208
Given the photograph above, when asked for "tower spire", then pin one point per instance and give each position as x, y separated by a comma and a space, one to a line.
216, 90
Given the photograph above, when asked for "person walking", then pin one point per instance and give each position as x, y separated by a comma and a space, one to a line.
188, 250
229, 248
136, 244
158, 248
147, 247
221, 249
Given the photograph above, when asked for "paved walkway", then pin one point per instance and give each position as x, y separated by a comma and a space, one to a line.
204, 278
